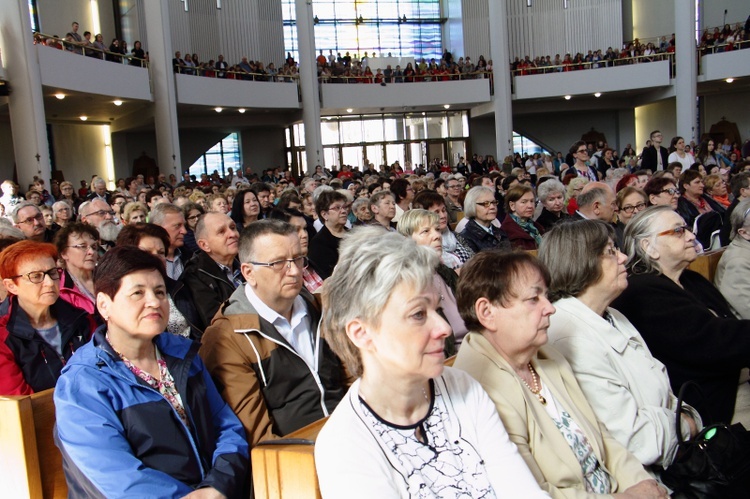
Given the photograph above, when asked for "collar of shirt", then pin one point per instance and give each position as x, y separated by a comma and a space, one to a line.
230, 272
297, 333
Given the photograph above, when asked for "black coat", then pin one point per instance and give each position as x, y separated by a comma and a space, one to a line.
649, 161
183, 300
693, 332
479, 239
208, 285
324, 252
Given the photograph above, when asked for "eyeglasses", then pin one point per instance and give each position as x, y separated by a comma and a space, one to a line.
279, 265
101, 213
30, 221
672, 191
610, 251
677, 231
487, 204
452, 186
37, 276
194, 217
630, 208
337, 207
582, 151
85, 247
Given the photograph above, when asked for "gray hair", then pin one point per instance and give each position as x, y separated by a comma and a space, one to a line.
359, 202
258, 229
738, 218
376, 198
160, 211
549, 187
640, 228
372, 263
591, 196
57, 205
319, 190
20, 206
414, 219
97, 181
470, 202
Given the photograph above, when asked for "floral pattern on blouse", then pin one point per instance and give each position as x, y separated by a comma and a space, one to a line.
596, 478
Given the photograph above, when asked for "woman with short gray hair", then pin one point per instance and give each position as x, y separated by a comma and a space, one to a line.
551, 194
408, 418
685, 320
480, 207
733, 273
624, 384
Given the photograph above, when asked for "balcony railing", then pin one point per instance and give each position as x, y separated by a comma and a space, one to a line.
89, 50
608, 63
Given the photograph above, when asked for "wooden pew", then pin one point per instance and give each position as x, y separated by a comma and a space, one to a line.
30, 463
706, 263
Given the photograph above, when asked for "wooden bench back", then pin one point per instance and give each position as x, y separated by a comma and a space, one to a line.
706, 263
30, 463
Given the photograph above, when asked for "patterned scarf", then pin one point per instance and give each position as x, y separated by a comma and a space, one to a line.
529, 227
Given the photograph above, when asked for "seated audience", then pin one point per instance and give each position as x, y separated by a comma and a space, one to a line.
134, 212
331, 207
733, 272
381, 317
627, 388
481, 210
296, 219
662, 191
245, 208
183, 315
693, 201
503, 300
137, 413
523, 232
456, 250
213, 274
192, 213
552, 196
170, 218
78, 246
383, 209
691, 329
40, 330
28, 218
424, 228
263, 348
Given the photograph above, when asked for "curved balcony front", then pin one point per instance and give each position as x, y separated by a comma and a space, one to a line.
218, 92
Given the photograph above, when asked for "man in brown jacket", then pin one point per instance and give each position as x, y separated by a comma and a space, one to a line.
263, 348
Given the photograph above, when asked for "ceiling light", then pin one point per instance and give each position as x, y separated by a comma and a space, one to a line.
349, 110
567, 97
241, 110
598, 94
446, 106
729, 80
60, 96
84, 118
118, 102
423, 113
218, 109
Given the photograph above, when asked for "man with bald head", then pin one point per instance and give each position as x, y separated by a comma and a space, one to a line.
213, 273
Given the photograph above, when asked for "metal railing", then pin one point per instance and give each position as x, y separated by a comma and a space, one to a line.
228, 74
412, 78
608, 63
89, 50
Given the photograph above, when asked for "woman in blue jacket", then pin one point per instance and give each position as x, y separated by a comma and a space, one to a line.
137, 412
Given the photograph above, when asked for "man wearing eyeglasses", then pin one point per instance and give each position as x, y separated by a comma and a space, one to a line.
452, 204
213, 273
29, 220
99, 214
264, 349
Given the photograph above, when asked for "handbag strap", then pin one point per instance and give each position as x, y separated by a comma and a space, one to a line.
680, 401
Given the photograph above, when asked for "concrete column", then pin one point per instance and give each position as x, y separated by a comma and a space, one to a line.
163, 83
501, 101
308, 73
25, 102
686, 86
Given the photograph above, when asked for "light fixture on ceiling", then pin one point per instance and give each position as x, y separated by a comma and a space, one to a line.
117, 103
60, 96
567, 97
598, 94
349, 110
423, 113
218, 109
447, 106
84, 118
241, 110
729, 80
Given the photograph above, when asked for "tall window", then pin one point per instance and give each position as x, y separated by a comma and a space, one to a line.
403, 28
524, 145
225, 154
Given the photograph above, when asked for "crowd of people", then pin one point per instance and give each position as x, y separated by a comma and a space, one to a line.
183, 322
725, 39
95, 47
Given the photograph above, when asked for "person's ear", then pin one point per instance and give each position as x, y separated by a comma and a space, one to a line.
650, 249
11, 286
203, 244
248, 272
103, 305
358, 334
486, 313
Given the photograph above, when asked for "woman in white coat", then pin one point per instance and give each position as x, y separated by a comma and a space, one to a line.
626, 386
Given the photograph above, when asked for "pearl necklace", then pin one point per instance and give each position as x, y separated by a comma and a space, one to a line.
537, 385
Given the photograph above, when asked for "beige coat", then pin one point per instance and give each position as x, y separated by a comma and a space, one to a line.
540, 443
733, 276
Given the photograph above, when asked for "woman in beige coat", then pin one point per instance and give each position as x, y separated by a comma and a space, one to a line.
504, 299
733, 273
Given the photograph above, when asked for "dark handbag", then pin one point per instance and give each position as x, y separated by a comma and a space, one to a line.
714, 464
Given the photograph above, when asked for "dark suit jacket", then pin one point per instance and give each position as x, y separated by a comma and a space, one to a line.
694, 333
648, 158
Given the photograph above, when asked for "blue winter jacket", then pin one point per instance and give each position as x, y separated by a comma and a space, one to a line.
119, 437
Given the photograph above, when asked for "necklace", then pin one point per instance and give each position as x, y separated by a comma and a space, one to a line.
537, 386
